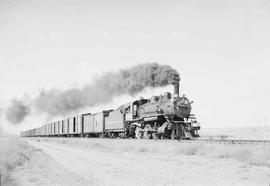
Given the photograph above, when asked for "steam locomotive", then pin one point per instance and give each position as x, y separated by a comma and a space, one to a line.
164, 116
160, 117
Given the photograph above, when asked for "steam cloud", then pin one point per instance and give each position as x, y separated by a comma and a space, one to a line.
104, 89
17, 111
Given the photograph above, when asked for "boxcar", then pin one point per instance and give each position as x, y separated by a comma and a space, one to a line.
65, 126
32, 132
43, 130
73, 125
87, 123
49, 129
26, 133
56, 128
80, 124
93, 124
46, 130
60, 123
52, 129
38, 131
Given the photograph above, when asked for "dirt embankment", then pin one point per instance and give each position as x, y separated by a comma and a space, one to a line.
13, 153
132, 162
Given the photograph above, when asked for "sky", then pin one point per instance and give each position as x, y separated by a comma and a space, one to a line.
221, 49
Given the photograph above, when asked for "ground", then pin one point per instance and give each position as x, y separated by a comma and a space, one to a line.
133, 162
251, 133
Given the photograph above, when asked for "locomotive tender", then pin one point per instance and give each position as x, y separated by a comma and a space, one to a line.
160, 117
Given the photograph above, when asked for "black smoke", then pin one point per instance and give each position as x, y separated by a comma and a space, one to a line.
126, 81
17, 111
105, 88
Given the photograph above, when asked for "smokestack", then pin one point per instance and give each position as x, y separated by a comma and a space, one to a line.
176, 88
176, 80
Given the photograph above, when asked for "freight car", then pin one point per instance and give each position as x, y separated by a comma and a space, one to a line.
166, 116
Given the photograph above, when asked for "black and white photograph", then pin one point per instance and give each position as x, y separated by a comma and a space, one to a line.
134, 92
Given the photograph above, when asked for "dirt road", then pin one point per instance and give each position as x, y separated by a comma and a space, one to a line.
62, 164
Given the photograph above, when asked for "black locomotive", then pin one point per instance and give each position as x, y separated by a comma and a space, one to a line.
165, 116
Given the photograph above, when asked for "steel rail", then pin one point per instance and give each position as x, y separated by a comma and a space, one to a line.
194, 140
234, 141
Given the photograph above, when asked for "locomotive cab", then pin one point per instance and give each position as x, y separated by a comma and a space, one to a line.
131, 109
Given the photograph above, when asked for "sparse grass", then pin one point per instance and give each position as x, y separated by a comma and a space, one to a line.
13, 153
251, 154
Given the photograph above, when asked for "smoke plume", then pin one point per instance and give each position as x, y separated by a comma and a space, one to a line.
17, 111
105, 88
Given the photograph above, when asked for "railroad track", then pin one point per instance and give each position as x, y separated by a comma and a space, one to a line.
234, 141
220, 141
201, 140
